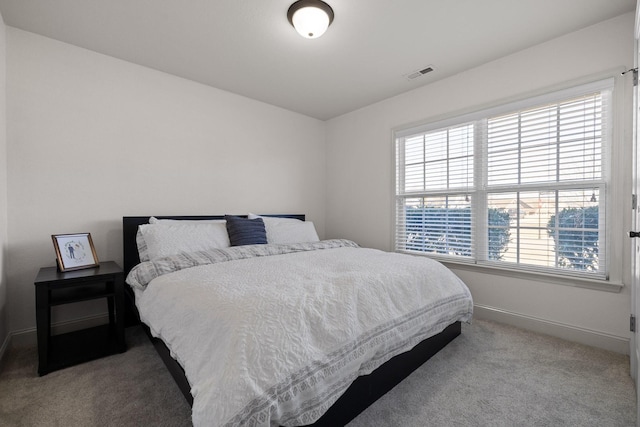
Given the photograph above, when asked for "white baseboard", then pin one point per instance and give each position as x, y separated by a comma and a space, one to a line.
568, 332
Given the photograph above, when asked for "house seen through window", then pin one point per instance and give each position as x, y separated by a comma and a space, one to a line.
522, 186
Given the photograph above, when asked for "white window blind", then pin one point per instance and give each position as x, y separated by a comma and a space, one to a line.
435, 181
522, 185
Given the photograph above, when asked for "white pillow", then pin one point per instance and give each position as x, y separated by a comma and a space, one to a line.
154, 220
169, 239
288, 230
143, 252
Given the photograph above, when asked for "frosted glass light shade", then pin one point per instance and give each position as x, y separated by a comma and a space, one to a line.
310, 22
310, 18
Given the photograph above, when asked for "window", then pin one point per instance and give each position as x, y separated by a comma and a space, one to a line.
521, 186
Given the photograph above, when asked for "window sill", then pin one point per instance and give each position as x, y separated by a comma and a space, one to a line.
580, 282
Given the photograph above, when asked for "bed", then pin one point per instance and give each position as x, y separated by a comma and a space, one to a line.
280, 375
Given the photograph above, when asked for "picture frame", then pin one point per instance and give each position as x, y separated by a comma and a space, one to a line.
75, 251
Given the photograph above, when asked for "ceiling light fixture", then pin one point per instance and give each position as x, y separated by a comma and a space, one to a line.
310, 18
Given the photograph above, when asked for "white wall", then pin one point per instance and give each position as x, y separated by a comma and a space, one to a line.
4, 327
360, 174
92, 139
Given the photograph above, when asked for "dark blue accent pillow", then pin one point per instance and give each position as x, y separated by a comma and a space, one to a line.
244, 231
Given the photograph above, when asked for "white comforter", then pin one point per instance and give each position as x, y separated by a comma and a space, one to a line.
275, 340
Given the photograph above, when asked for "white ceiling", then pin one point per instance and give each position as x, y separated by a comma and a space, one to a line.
248, 47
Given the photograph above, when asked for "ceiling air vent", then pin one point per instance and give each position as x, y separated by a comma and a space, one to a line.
419, 73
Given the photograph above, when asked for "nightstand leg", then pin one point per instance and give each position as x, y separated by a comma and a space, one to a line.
43, 325
119, 292
111, 314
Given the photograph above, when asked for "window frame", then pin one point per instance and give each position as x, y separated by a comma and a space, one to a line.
572, 277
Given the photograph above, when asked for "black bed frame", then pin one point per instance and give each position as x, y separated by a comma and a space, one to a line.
363, 391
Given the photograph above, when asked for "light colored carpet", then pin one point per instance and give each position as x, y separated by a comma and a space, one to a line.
497, 375
491, 375
129, 389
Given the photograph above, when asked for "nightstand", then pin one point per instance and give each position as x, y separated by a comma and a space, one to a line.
56, 288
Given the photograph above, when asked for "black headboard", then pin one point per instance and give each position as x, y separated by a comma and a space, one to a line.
130, 228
